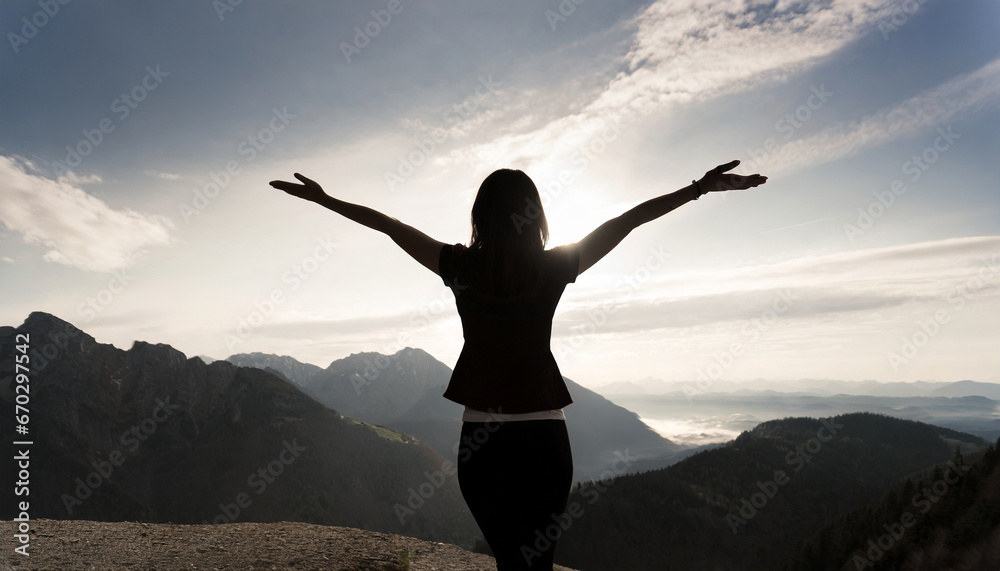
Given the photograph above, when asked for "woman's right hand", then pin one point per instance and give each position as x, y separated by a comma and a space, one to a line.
716, 180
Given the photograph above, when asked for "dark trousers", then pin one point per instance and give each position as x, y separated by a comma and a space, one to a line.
515, 477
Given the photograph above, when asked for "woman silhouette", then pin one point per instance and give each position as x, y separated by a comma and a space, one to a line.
515, 465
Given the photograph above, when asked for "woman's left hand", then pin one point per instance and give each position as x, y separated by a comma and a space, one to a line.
309, 189
717, 179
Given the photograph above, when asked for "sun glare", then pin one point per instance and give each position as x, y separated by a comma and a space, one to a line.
575, 213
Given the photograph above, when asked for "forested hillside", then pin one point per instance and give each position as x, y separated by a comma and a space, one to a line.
747, 505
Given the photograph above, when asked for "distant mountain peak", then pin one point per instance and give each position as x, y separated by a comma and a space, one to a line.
46, 322
160, 350
36, 316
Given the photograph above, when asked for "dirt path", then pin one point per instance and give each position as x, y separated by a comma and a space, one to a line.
71, 545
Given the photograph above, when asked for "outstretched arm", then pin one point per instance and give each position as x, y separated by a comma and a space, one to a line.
418, 245
608, 235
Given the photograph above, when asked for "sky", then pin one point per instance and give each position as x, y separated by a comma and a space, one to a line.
137, 139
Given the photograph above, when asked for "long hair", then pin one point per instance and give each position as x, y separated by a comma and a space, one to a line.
509, 231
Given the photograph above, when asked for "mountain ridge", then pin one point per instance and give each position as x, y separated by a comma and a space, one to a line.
740, 505
404, 391
805, 387
192, 437
148, 434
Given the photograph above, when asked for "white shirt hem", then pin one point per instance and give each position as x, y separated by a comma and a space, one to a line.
473, 415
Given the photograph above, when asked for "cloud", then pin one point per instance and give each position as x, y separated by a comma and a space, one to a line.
686, 51
78, 229
845, 288
958, 96
695, 50
70, 176
163, 175
832, 286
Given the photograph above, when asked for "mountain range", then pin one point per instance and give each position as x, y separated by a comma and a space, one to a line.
722, 416
813, 387
403, 392
759, 501
150, 435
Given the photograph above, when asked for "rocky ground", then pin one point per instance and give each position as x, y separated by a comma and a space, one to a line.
66, 545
